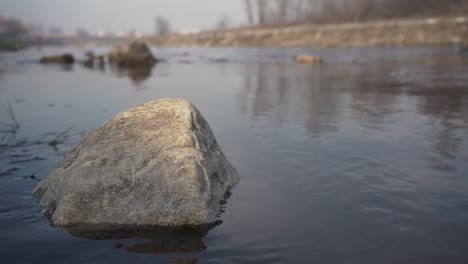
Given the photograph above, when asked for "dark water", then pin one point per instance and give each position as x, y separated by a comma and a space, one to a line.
363, 159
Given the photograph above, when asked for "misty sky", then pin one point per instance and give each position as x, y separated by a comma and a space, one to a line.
122, 15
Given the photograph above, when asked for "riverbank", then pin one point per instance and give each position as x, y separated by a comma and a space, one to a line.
12, 46
427, 31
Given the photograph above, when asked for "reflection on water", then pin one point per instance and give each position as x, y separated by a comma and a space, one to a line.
137, 75
374, 95
67, 67
159, 240
362, 159
285, 91
94, 64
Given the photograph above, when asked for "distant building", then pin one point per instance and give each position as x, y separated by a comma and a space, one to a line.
55, 32
100, 33
109, 34
138, 34
121, 34
190, 30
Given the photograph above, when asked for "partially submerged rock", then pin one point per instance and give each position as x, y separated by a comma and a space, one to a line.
89, 54
305, 58
154, 164
91, 59
133, 54
62, 58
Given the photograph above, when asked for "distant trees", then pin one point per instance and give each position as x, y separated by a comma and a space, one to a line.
16, 34
55, 31
283, 10
270, 12
250, 11
13, 28
82, 33
132, 33
223, 23
357, 9
262, 8
162, 26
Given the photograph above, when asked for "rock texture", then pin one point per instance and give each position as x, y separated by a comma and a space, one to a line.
63, 58
133, 54
154, 164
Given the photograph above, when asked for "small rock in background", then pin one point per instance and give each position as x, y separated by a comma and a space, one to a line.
304, 58
133, 54
63, 59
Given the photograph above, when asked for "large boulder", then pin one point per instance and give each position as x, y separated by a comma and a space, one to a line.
134, 54
154, 164
62, 58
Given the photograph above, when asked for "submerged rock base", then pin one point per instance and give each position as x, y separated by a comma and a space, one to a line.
158, 240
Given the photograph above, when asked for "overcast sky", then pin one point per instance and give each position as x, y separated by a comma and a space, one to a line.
122, 15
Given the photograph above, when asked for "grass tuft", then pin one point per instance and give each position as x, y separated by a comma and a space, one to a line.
55, 141
14, 125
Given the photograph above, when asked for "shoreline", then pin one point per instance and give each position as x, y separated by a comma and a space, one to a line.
404, 32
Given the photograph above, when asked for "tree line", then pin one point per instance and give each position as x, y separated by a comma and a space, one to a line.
274, 12
14, 28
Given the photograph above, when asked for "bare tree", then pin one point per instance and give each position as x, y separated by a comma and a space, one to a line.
250, 11
278, 12
283, 10
132, 33
82, 33
300, 10
13, 28
362, 9
55, 31
262, 7
324, 11
162, 26
223, 23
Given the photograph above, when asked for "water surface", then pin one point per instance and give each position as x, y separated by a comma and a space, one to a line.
363, 159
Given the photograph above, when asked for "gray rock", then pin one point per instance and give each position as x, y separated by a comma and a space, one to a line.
154, 164
133, 54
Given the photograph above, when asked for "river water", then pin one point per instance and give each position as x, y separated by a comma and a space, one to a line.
363, 159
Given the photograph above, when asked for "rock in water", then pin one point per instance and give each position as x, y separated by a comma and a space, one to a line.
63, 58
133, 54
154, 164
304, 58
